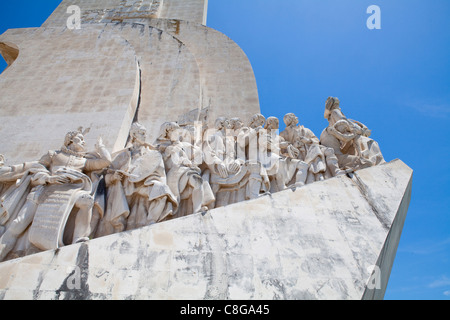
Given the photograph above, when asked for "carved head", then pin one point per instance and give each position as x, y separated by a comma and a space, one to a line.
75, 141
222, 123
272, 123
236, 123
290, 120
175, 132
170, 131
330, 105
227, 124
256, 121
163, 131
138, 132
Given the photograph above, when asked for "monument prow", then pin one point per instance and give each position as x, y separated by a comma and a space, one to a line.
323, 241
182, 188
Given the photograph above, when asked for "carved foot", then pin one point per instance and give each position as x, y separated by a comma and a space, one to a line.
81, 240
266, 193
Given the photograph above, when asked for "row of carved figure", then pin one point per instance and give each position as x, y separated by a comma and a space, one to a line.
71, 195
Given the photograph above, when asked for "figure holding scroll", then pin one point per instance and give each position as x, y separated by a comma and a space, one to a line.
60, 192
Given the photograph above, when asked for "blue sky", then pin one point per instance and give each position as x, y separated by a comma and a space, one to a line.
395, 80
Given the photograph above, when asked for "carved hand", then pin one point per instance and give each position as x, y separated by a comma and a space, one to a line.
99, 145
234, 167
101, 149
293, 152
57, 180
117, 177
36, 167
222, 170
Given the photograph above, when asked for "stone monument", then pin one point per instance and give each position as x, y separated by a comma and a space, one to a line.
179, 188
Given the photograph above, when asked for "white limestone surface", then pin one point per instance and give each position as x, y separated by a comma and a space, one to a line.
62, 80
104, 11
104, 76
320, 241
227, 81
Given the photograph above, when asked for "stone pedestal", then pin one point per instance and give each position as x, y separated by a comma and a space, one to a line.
335, 239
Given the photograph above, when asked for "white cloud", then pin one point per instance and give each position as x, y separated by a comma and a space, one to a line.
435, 110
442, 282
447, 293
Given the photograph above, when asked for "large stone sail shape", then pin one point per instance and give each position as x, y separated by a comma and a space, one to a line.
152, 61
334, 239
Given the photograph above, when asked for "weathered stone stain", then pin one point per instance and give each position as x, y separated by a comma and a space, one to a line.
163, 239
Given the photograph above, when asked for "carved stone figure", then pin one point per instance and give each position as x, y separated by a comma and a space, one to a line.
62, 193
333, 169
299, 136
138, 194
183, 175
305, 145
216, 148
70, 194
321, 161
315, 158
349, 139
291, 170
229, 175
236, 125
15, 184
249, 152
247, 138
